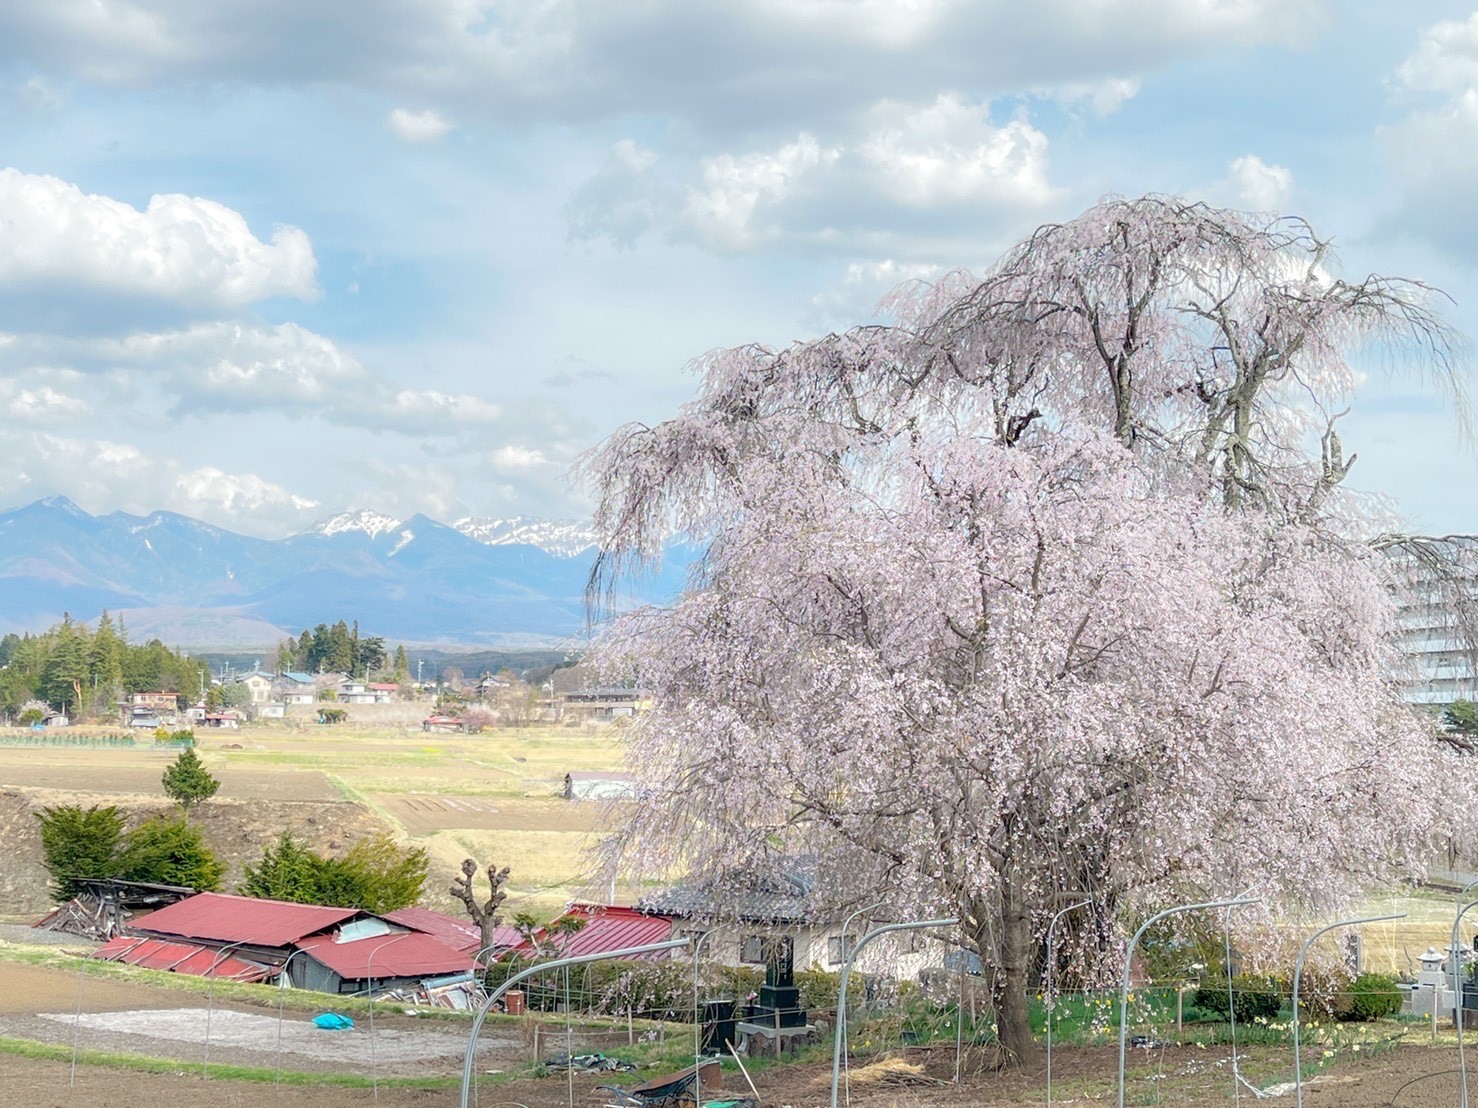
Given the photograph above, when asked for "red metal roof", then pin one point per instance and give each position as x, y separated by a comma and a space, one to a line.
459, 934
242, 919
607, 928
176, 957
407, 954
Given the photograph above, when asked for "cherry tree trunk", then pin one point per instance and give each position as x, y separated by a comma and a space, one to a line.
1010, 980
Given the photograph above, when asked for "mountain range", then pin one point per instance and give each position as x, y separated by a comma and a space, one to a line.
487, 582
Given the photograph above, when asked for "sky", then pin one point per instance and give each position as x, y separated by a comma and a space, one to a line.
264, 261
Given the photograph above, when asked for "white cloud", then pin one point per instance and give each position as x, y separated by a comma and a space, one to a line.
209, 488
1256, 185
579, 59
423, 126
949, 152
1103, 98
181, 249
902, 177
1445, 58
514, 458
102, 474
233, 367
45, 403
726, 211
1434, 148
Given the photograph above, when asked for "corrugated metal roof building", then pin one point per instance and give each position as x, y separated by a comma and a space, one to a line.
336, 950
607, 927
459, 934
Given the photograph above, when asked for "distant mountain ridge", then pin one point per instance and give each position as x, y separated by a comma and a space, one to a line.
474, 582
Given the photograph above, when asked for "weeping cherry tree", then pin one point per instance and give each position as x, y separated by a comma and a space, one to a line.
1047, 590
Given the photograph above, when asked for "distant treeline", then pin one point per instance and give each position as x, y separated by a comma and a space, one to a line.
82, 670
531, 665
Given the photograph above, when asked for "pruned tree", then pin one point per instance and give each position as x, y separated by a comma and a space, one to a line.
484, 914
1035, 595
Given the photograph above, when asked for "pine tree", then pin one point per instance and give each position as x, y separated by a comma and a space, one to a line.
187, 782
105, 660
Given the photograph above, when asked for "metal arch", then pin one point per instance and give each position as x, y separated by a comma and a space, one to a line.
369, 994
1129, 961
559, 963
841, 1017
284, 982
77, 1016
1298, 969
1457, 984
210, 1004
836, 1052
1051, 967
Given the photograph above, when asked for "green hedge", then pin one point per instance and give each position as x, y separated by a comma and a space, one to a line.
1254, 997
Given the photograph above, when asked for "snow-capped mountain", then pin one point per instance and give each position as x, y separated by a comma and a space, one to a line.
372, 524
416, 580
564, 538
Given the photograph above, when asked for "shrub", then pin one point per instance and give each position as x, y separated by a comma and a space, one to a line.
168, 851
79, 842
376, 874
332, 715
1254, 997
1324, 994
1374, 996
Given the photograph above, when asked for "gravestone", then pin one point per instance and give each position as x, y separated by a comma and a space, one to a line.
779, 1000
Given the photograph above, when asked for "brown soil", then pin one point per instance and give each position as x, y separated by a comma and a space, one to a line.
1413, 1076
236, 830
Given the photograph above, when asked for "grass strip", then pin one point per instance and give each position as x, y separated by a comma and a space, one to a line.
58, 1052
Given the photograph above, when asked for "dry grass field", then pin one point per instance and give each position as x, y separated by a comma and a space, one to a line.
492, 797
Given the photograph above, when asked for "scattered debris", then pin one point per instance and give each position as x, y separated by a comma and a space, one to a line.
1147, 1043
589, 1063
893, 1071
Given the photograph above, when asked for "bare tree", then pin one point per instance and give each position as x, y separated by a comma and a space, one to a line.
485, 915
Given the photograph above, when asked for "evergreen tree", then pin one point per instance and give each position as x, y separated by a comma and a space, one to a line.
168, 851
66, 667
187, 782
79, 842
288, 871
105, 660
402, 666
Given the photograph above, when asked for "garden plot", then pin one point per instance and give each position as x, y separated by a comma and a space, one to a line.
248, 1031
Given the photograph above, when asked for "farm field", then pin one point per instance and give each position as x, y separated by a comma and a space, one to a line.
140, 1042
494, 797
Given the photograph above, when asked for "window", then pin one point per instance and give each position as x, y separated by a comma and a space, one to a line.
838, 947
752, 950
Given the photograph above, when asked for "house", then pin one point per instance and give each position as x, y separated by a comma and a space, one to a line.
589, 785
307, 946
195, 713
354, 692
602, 928
295, 688
600, 703
55, 719
230, 721
150, 709
748, 911
259, 684
441, 724
385, 691
142, 717
272, 709
457, 932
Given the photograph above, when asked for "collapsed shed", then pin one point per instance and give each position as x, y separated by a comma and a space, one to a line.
307, 946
